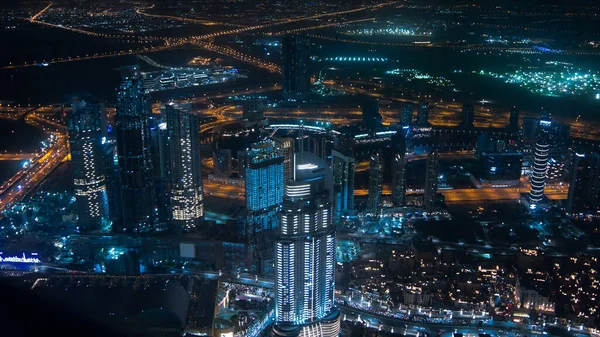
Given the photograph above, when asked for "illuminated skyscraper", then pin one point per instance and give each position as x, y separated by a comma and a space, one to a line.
187, 204
264, 194
159, 141
305, 281
86, 139
540, 161
423, 114
399, 163
584, 188
343, 184
296, 77
135, 161
431, 180
468, 116
375, 182
286, 146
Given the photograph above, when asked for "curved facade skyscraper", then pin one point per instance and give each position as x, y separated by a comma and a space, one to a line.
540, 162
305, 281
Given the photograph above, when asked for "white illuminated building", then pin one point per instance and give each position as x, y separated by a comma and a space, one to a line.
540, 163
187, 203
305, 260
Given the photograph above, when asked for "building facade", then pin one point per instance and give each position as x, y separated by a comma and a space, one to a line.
431, 180
343, 168
305, 281
513, 118
540, 161
468, 116
375, 182
296, 76
423, 114
86, 139
286, 146
222, 163
399, 166
264, 195
584, 187
133, 149
187, 199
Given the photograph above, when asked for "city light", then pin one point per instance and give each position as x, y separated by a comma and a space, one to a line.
558, 79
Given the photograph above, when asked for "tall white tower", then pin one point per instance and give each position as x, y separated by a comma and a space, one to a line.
305, 281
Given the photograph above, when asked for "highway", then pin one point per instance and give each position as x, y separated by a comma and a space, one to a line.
224, 191
28, 178
319, 26
489, 193
91, 57
479, 194
40, 165
16, 156
141, 11
228, 51
37, 15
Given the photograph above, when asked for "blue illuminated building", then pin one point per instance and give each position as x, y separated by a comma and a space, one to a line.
264, 194
87, 136
305, 280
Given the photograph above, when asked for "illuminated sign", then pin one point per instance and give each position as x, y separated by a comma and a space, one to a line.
20, 259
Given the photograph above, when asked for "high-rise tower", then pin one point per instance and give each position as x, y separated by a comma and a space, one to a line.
431, 180
407, 110
86, 140
296, 77
513, 118
375, 182
468, 116
540, 161
423, 114
187, 201
399, 164
135, 161
264, 195
584, 189
343, 184
286, 146
305, 281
